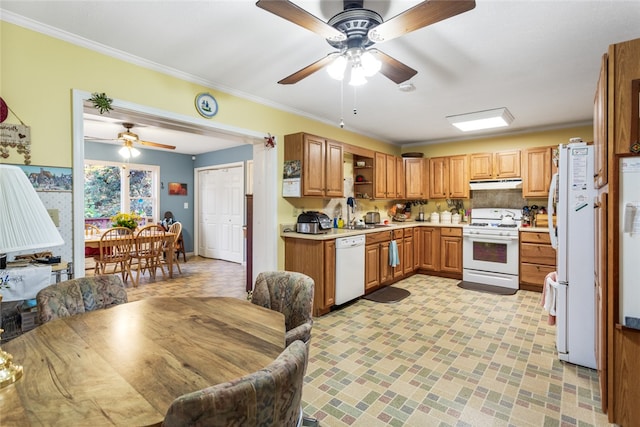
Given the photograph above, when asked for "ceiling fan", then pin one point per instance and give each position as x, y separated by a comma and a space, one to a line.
354, 30
128, 138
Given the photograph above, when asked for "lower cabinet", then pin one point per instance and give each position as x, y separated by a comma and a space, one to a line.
378, 272
537, 259
440, 251
316, 259
430, 248
408, 251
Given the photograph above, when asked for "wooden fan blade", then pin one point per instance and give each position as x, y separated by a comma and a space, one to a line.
392, 68
309, 69
156, 144
293, 13
426, 13
95, 138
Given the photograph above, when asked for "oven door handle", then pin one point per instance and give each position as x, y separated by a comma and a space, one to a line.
491, 239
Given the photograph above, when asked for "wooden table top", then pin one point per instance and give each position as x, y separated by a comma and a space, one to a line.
126, 364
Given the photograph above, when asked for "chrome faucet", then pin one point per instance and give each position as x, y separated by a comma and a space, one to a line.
351, 202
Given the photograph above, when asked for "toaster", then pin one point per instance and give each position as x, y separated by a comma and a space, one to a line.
372, 218
312, 222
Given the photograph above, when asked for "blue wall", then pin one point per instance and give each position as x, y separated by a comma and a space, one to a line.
174, 167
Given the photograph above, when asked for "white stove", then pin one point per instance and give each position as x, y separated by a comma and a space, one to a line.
490, 247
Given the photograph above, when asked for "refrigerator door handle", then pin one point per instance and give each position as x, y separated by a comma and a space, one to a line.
553, 232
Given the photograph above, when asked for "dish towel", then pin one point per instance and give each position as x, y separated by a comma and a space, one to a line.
549, 296
393, 254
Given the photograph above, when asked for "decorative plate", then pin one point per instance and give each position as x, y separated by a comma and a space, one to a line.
206, 105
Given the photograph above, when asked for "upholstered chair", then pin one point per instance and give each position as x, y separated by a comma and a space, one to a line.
291, 294
269, 397
77, 296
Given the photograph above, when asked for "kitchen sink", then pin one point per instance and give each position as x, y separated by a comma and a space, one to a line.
365, 226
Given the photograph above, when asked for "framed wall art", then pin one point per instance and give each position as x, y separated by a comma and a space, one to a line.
177, 189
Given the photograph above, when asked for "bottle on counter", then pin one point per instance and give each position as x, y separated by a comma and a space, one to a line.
340, 223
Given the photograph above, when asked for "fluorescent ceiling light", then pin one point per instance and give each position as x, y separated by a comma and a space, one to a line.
488, 119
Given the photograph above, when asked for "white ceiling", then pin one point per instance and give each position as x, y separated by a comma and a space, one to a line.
540, 59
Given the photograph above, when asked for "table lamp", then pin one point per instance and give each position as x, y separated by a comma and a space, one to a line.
25, 225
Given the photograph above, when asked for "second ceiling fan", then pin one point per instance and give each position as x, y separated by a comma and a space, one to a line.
354, 30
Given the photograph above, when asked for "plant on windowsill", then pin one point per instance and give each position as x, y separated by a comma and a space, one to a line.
128, 220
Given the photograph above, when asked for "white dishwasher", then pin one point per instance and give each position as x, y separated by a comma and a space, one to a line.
349, 268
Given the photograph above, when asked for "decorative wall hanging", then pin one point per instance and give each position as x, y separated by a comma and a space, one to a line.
206, 105
177, 189
269, 141
14, 135
101, 102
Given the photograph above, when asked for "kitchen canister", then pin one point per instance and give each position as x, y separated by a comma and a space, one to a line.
455, 218
434, 218
445, 217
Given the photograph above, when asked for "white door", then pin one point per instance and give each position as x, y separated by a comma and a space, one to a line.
221, 213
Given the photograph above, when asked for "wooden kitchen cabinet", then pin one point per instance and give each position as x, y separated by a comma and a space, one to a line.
408, 251
451, 251
536, 171
537, 259
503, 164
398, 270
601, 297
322, 171
399, 178
378, 272
386, 174
430, 248
449, 177
316, 259
415, 178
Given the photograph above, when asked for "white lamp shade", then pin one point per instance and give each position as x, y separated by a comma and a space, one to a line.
25, 223
370, 64
357, 76
337, 67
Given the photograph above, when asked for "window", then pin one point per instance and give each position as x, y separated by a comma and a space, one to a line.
112, 187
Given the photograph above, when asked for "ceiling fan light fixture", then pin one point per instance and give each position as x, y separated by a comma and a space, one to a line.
357, 76
370, 64
128, 152
337, 67
481, 120
128, 135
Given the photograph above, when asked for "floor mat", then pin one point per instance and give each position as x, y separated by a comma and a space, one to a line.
388, 294
481, 287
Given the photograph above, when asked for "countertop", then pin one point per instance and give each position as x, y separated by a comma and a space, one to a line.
345, 232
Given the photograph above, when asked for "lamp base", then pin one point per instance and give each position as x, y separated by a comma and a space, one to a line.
9, 373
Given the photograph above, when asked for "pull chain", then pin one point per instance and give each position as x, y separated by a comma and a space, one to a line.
341, 104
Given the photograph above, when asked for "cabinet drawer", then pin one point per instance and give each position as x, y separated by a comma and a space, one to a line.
408, 232
532, 237
397, 234
537, 254
534, 273
384, 236
451, 231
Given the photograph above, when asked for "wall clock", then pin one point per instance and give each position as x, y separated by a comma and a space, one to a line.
206, 105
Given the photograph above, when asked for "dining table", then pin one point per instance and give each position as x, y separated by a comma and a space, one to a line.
125, 365
93, 241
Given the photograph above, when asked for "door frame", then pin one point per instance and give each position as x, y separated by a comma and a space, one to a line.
264, 185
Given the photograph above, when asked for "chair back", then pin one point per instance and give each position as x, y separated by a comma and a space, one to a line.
176, 228
291, 294
150, 240
77, 296
91, 230
269, 397
116, 244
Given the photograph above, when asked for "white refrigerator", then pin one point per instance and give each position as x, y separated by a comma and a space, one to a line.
629, 242
572, 190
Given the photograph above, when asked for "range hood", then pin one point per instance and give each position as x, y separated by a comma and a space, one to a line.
496, 184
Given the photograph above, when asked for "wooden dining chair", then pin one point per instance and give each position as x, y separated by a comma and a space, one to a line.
77, 296
177, 243
270, 397
115, 248
149, 243
90, 230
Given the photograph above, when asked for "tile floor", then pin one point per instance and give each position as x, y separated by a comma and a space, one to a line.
441, 357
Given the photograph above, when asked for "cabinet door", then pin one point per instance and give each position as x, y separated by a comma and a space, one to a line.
334, 170
536, 172
329, 273
399, 178
386, 272
408, 255
451, 254
371, 266
438, 178
414, 178
507, 164
481, 166
458, 177
601, 287
417, 247
398, 270
430, 242
390, 162
313, 166
600, 126
380, 175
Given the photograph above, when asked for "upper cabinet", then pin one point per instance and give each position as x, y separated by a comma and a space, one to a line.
387, 169
322, 171
536, 171
449, 177
416, 172
504, 164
